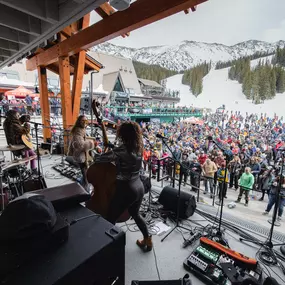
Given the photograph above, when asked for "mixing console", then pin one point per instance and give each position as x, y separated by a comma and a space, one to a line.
219, 265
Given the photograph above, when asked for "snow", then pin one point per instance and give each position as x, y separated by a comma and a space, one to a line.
219, 90
187, 53
255, 62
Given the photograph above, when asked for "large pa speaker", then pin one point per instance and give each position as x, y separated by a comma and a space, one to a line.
187, 203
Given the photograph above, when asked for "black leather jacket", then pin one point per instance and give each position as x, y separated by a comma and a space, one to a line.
128, 164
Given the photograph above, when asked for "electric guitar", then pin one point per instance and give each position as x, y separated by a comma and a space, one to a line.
27, 140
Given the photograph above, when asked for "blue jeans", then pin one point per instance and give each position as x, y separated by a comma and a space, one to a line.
272, 200
211, 183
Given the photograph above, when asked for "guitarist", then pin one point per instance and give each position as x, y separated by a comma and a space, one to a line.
14, 128
129, 188
79, 146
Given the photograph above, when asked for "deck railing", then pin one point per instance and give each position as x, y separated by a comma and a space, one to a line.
152, 111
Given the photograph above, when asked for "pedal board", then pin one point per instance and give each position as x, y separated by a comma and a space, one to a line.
218, 265
69, 171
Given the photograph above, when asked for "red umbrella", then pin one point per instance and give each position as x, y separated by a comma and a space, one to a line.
20, 92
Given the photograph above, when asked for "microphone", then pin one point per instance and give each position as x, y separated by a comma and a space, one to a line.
161, 137
191, 239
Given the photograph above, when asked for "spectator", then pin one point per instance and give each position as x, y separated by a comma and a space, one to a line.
209, 169
246, 183
273, 198
223, 180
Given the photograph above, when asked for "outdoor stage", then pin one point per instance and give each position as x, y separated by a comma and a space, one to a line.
167, 257
166, 260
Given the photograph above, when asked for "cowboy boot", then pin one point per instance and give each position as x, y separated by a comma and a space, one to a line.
145, 244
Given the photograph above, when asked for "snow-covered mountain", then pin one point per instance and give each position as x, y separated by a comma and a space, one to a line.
219, 90
188, 53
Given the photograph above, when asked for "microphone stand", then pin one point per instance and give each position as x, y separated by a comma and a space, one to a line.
177, 224
41, 181
228, 155
150, 171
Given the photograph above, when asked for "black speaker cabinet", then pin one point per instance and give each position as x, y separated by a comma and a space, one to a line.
187, 203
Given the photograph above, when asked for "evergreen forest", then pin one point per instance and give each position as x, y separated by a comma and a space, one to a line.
152, 72
257, 55
194, 77
279, 58
259, 83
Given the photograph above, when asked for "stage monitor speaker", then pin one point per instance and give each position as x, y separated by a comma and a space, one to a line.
187, 204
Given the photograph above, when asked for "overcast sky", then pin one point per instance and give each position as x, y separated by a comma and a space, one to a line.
220, 21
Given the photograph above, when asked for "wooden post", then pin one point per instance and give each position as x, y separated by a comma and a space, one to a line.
79, 73
66, 100
44, 102
77, 83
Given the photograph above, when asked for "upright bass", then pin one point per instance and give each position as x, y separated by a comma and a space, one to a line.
102, 175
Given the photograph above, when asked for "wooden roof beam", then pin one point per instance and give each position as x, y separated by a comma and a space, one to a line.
105, 10
140, 14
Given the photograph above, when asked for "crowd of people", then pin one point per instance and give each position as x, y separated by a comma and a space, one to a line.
28, 105
245, 152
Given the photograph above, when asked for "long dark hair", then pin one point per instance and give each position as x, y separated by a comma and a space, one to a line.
131, 135
78, 123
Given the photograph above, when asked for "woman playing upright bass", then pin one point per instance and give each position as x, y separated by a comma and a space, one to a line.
129, 188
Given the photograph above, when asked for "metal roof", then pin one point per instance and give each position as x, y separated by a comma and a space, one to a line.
109, 81
27, 24
148, 82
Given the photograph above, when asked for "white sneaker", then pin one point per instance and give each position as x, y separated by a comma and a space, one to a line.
265, 213
279, 219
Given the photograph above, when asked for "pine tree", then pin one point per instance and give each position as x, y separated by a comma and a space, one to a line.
247, 85
280, 80
194, 77
267, 90
272, 84
255, 89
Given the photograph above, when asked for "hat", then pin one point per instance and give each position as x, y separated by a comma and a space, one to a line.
27, 216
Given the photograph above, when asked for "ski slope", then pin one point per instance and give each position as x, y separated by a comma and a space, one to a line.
219, 90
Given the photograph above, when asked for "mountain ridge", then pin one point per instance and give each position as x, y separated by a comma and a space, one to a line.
187, 54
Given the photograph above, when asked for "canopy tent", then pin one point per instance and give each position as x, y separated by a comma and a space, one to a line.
194, 120
20, 93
